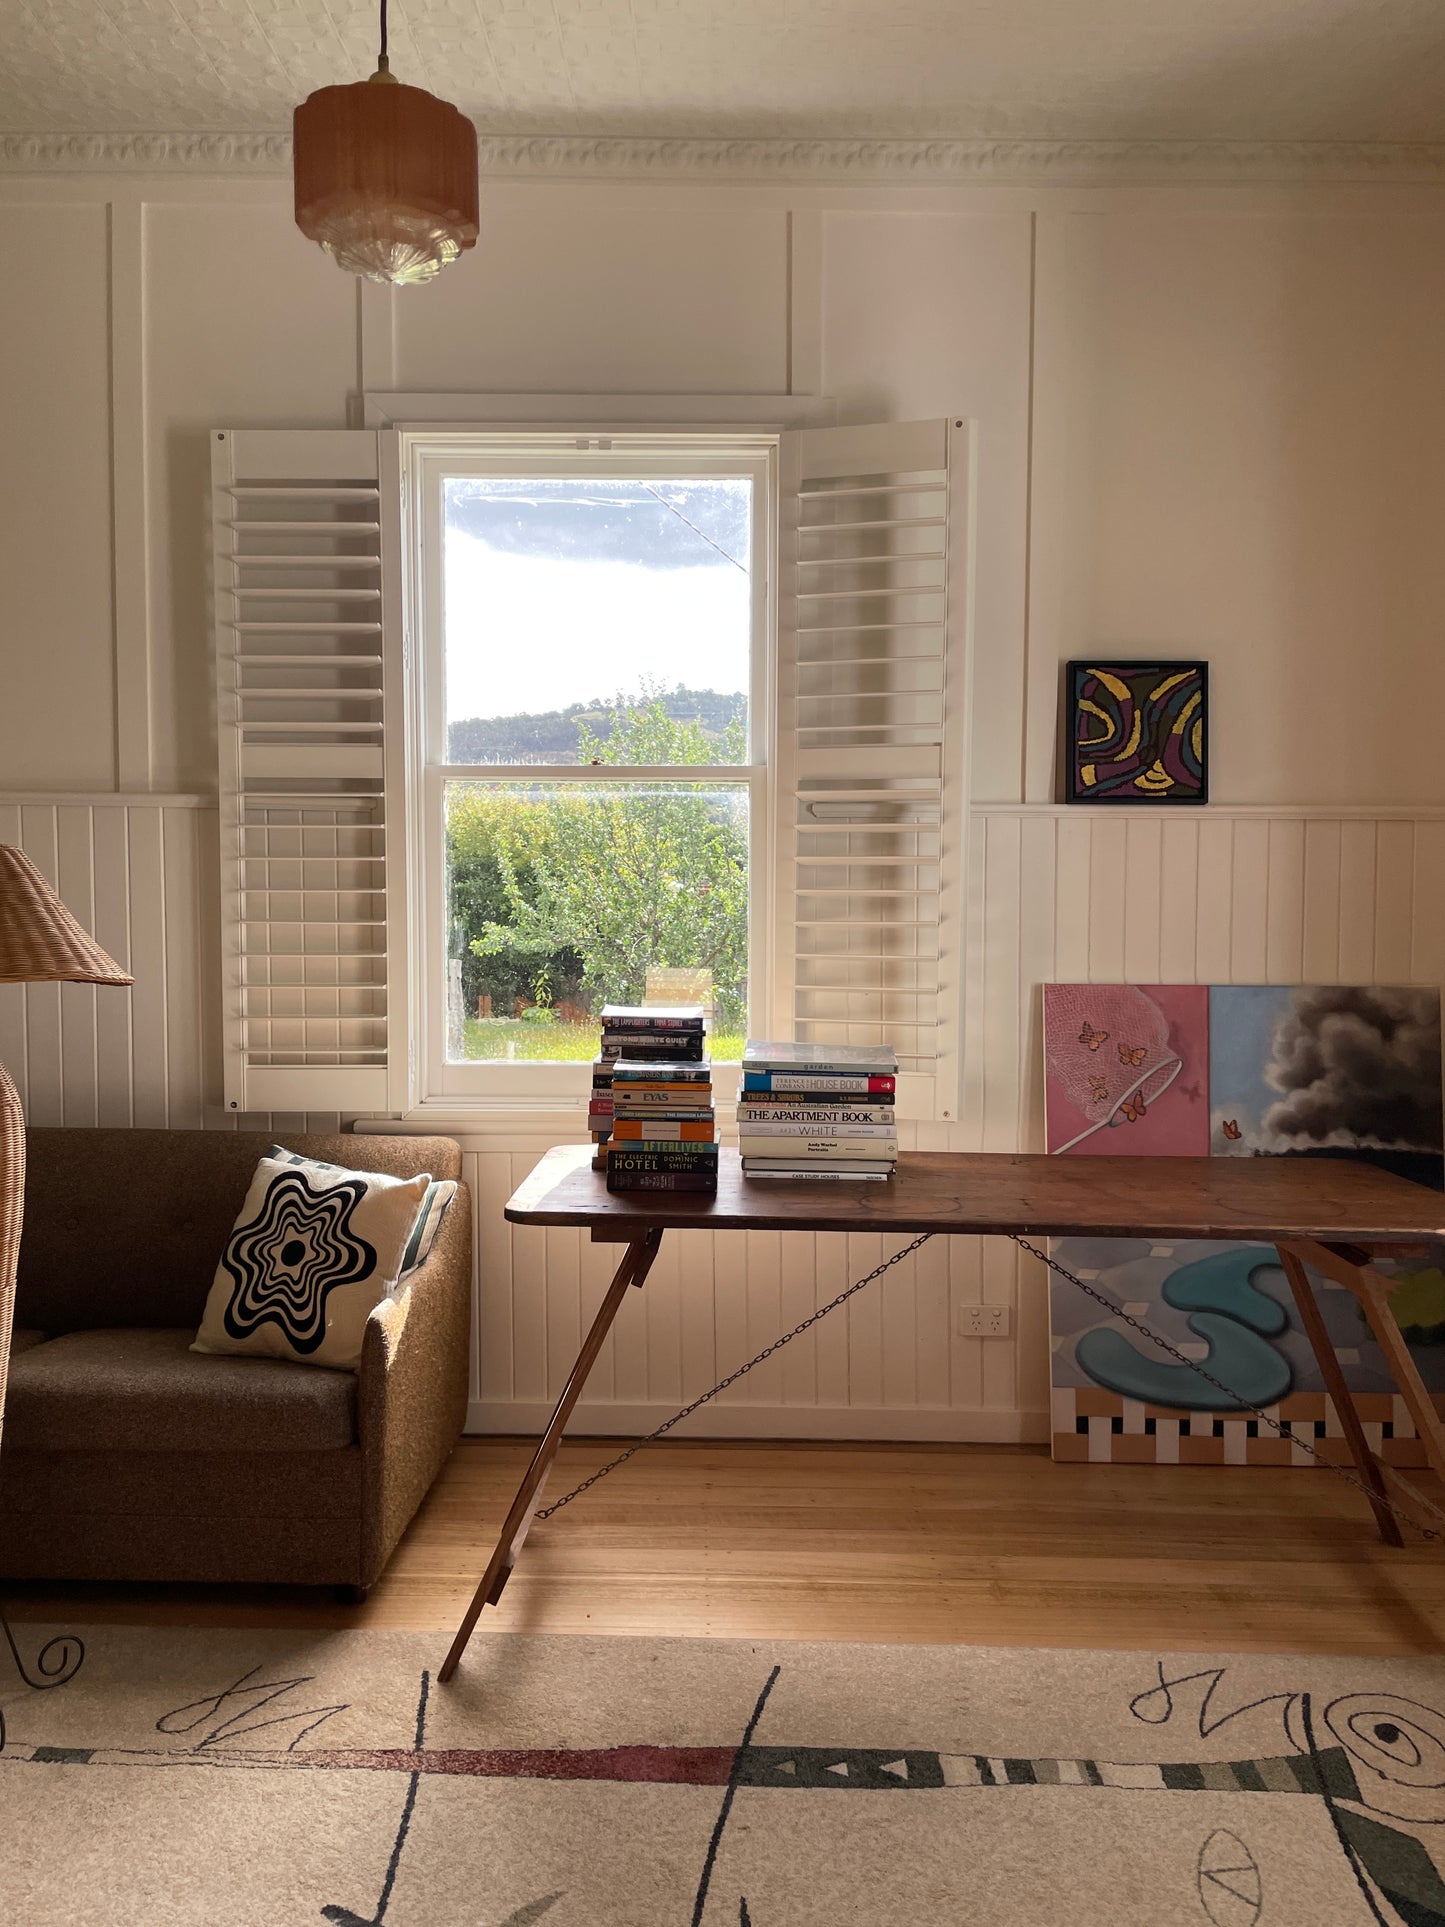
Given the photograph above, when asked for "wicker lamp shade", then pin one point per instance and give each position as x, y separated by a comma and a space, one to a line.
40, 942
386, 178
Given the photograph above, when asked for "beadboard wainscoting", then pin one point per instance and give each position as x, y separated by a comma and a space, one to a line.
134, 870
1217, 895
1056, 895
139, 871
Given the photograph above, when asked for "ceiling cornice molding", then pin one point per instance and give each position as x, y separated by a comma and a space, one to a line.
145, 153
622, 157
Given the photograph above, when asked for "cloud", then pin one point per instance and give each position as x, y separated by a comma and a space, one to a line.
1357, 1065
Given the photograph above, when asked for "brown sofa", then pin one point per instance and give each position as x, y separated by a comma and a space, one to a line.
127, 1456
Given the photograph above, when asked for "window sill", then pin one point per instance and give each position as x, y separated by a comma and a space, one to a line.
502, 1118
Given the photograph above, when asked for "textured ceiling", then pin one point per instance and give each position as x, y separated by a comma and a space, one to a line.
1101, 70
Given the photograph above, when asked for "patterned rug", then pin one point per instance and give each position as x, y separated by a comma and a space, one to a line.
250, 1779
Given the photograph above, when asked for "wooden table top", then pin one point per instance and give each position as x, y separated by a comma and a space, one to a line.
1264, 1200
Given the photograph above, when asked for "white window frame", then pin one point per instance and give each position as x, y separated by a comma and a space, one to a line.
426, 455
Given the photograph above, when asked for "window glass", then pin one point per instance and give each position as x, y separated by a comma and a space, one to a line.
569, 601
562, 897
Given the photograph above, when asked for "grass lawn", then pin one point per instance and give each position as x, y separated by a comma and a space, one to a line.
511, 1039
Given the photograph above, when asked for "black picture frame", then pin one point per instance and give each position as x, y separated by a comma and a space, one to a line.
1134, 782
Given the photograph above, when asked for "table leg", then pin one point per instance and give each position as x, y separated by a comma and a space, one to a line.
1351, 1268
1340, 1395
636, 1263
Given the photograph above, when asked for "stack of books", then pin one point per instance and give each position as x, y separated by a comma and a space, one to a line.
661, 1031
663, 1127
818, 1111
599, 1111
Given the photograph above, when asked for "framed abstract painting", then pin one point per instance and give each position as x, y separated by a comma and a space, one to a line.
1137, 732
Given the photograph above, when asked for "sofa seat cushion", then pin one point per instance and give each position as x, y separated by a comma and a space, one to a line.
147, 1391
24, 1341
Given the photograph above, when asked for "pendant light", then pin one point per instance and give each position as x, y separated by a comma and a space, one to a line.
386, 176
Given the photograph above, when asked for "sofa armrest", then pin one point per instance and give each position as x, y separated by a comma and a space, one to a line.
412, 1385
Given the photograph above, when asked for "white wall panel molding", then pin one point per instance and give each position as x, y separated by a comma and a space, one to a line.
888, 1365
602, 1418
1335, 812
130, 536
137, 871
1219, 895
620, 412
109, 799
1286, 895
564, 156
805, 302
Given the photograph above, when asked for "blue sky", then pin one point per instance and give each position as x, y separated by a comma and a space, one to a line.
1242, 1020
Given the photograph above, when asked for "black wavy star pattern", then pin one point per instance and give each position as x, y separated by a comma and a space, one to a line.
289, 1259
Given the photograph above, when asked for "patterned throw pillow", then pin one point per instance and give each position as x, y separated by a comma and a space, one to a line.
440, 1192
314, 1249
424, 1233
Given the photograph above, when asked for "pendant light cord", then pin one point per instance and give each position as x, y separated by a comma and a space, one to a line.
382, 61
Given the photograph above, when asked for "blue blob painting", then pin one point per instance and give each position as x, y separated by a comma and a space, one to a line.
1233, 1317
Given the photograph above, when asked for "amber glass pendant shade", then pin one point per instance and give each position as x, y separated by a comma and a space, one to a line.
386, 178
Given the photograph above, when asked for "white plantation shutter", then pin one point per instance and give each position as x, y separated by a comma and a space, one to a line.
309, 708
873, 650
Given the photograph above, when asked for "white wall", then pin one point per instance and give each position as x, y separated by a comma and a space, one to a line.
1209, 422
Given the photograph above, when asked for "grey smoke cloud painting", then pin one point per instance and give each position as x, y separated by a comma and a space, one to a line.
1328, 1071
1364, 1062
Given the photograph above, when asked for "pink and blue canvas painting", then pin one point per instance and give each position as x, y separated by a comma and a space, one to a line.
1254, 1070
1328, 1071
1127, 1069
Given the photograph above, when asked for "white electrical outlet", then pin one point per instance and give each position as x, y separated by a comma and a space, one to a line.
983, 1321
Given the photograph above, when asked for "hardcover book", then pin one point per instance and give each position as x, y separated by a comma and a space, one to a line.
628, 1160
821, 1174
819, 1150
673, 1153
631, 1070
803, 1169
680, 1099
780, 1102
652, 1017
655, 1105
844, 1084
821, 1118
661, 1181
678, 1047
820, 1057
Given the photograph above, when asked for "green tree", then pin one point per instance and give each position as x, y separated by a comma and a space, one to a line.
481, 820
630, 878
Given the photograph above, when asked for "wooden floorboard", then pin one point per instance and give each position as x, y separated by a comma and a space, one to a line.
983, 1545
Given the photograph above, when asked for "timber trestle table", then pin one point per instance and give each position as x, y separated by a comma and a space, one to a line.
1333, 1214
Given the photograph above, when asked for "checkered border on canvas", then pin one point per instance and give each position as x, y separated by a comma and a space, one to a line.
1095, 1427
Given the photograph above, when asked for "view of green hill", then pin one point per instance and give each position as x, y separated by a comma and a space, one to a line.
551, 735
